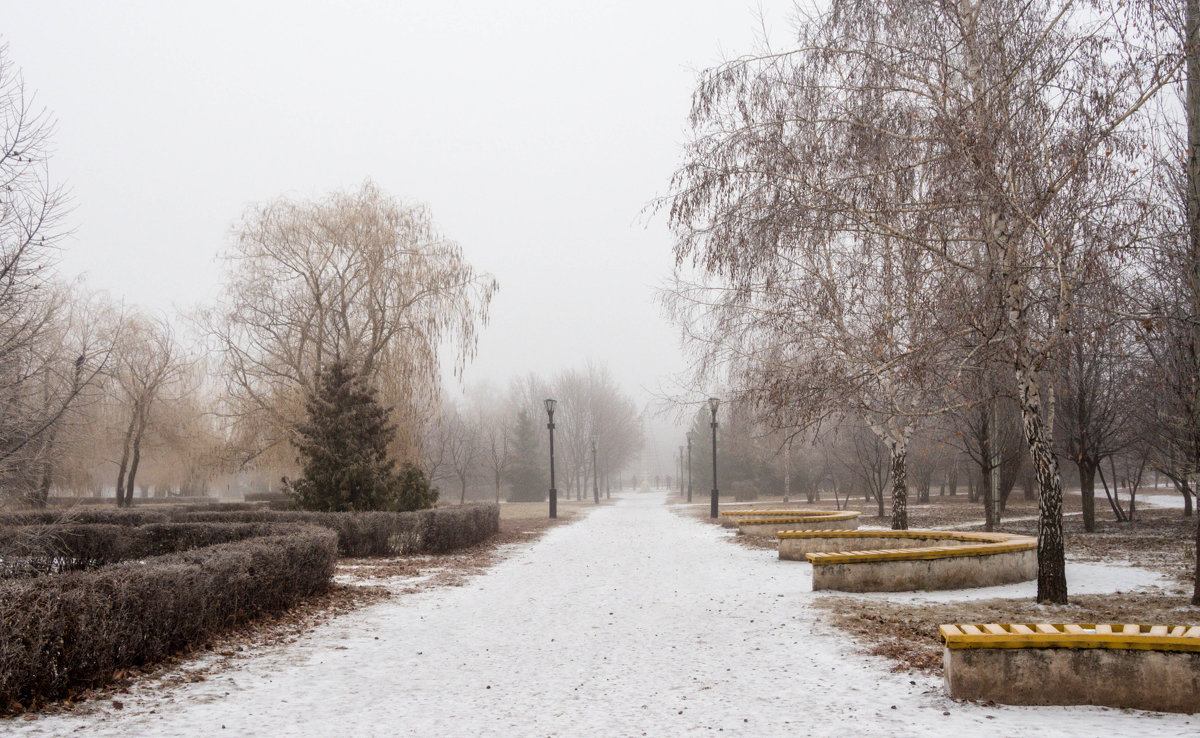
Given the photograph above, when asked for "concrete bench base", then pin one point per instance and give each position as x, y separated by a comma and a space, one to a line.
952, 572
1167, 681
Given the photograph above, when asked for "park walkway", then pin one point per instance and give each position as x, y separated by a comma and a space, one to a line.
631, 621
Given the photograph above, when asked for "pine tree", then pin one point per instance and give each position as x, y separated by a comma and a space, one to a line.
526, 476
342, 445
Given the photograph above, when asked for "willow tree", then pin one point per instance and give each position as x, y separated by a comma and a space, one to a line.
992, 138
357, 276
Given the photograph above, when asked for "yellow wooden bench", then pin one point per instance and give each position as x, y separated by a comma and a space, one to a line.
1145, 667
731, 518
773, 524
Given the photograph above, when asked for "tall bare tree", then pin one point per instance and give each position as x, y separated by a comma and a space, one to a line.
149, 364
358, 276
1002, 153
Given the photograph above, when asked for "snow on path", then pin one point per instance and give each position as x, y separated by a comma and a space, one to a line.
631, 621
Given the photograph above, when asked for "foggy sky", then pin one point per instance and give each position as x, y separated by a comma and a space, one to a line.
536, 132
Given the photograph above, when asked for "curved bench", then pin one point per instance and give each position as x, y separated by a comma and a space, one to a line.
731, 518
811, 520
854, 561
1144, 667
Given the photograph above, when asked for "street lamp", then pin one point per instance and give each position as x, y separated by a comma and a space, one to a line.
553, 492
681, 471
595, 481
690, 434
713, 404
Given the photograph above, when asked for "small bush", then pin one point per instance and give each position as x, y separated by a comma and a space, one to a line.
367, 534
76, 629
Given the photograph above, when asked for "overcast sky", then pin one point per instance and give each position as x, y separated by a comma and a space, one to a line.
536, 131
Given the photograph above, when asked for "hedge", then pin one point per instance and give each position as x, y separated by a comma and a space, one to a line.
110, 516
76, 629
366, 534
43, 549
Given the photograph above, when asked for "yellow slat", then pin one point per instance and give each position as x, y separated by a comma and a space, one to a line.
1022, 629
1192, 632
1103, 629
995, 629
1046, 628
1074, 629
971, 630
1131, 630
1178, 630
1158, 630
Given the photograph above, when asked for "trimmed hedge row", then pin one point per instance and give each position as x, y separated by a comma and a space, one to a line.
366, 534
109, 516
34, 550
76, 629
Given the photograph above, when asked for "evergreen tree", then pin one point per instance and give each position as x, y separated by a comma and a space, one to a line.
526, 474
342, 445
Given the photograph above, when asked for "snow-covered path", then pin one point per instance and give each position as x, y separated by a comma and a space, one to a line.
631, 621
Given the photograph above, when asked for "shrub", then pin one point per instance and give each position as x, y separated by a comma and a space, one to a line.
43, 549
109, 516
366, 534
76, 629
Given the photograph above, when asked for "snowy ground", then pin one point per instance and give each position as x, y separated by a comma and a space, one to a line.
631, 621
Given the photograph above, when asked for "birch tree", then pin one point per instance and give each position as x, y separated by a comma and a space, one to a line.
1008, 125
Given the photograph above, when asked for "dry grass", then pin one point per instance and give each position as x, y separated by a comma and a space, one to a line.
907, 633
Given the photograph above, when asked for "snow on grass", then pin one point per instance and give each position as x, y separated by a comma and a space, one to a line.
630, 621
1171, 501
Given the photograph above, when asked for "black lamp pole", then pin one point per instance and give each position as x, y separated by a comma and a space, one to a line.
553, 492
681, 471
689, 437
713, 404
595, 479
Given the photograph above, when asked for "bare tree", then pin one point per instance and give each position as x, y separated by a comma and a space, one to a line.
992, 138
47, 354
357, 276
149, 361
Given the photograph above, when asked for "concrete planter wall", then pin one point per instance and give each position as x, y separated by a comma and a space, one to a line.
951, 572
1141, 671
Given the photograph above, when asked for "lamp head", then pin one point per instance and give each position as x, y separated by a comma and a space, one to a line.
690, 436
550, 406
713, 404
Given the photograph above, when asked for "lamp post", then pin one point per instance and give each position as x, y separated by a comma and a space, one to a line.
553, 492
713, 404
689, 439
595, 479
681, 471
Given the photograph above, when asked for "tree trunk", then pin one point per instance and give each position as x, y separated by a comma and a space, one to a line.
1052, 575
989, 508
1087, 490
124, 465
1192, 107
899, 454
133, 464
952, 480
